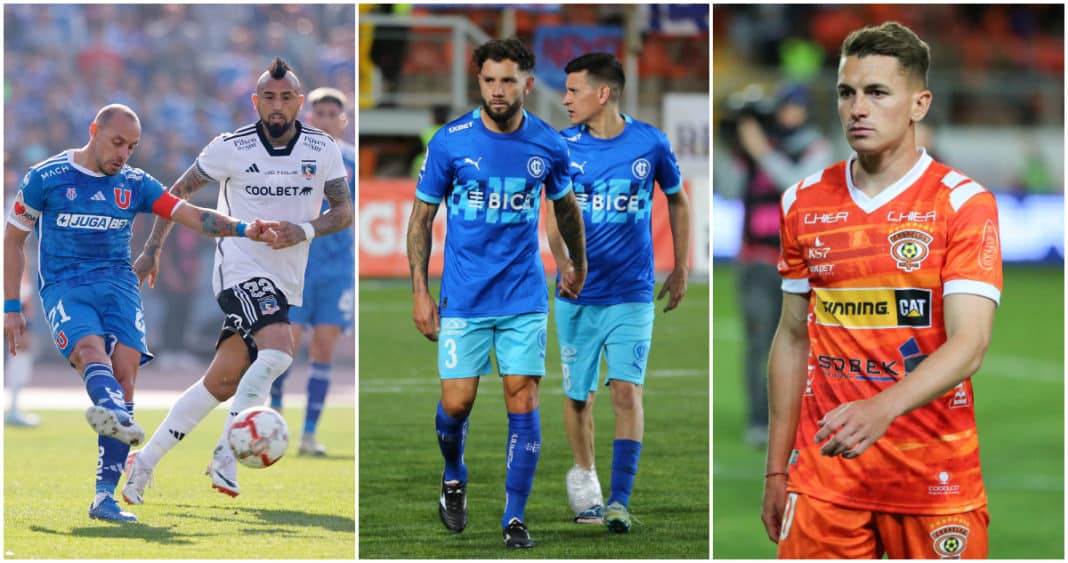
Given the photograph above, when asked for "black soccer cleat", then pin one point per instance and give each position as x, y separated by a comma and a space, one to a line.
452, 506
516, 535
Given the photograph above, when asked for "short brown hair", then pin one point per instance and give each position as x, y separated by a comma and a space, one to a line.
891, 39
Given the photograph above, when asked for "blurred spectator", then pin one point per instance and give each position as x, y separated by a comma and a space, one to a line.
776, 147
439, 117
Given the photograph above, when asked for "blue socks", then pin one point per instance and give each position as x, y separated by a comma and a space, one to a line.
625, 455
318, 384
452, 434
102, 386
111, 459
276, 390
523, 450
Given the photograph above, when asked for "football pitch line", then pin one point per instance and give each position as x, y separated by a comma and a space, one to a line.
1013, 483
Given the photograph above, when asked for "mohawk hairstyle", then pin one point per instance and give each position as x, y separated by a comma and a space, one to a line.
278, 68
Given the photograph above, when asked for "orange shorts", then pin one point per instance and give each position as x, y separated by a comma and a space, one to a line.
815, 529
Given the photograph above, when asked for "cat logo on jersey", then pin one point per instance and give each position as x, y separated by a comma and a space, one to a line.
951, 540
307, 168
122, 198
873, 307
910, 248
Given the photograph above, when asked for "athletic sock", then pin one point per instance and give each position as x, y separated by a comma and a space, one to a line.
111, 459
318, 385
452, 435
523, 450
17, 371
277, 389
625, 455
191, 407
253, 389
102, 386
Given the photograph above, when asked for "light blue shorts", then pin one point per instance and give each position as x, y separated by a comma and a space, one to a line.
623, 332
327, 301
105, 308
518, 341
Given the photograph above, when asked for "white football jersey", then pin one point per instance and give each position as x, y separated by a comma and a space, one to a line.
260, 181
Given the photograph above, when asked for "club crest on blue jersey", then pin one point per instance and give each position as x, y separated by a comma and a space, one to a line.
536, 166
122, 198
72, 194
641, 168
307, 168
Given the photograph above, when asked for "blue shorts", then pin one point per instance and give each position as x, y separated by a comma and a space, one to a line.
104, 308
623, 332
327, 301
518, 340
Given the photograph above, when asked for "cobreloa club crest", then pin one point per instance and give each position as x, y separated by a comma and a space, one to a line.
910, 248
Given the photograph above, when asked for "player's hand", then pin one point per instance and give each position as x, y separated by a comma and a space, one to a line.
752, 138
14, 328
675, 285
286, 234
572, 279
853, 427
262, 231
146, 266
426, 316
773, 505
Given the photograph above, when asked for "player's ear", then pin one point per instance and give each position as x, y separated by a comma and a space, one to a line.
300, 101
921, 103
92, 129
256, 102
604, 93
529, 86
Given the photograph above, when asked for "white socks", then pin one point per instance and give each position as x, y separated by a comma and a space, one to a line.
17, 371
190, 408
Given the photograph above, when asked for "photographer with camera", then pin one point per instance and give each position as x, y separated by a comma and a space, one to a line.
774, 146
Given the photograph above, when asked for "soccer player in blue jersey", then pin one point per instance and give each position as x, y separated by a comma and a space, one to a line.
488, 167
81, 204
615, 160
328, 281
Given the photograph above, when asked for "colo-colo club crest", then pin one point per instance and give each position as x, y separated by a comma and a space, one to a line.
910, 248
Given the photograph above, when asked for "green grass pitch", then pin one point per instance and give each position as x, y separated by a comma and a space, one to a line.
299, 508
1019, 397
400, 464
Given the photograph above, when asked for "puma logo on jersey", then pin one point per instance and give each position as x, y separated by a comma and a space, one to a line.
474, 163
581, 167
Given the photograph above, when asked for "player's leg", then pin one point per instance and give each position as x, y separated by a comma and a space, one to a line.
581, 335
947, 536
321, 351
520, 345
18, 370
815, 529
627, 351
463, 355
761, 305
296, 319
111, 453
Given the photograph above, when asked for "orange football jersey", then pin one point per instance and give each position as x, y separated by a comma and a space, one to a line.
876, 271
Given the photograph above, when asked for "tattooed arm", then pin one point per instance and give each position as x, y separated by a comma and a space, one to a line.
338, 217
420, 239
569, 223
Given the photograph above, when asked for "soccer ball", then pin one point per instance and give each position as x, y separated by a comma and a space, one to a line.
258, 437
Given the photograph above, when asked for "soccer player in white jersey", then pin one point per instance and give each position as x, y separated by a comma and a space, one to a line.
282, 169
329, 302
614, 162
81, 204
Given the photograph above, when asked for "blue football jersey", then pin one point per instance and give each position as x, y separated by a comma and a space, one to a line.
613, 183
491, 184
83, 219
334, 255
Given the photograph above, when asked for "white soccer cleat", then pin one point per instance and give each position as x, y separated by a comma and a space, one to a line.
138, 476
223, 471
584, 494
115, 424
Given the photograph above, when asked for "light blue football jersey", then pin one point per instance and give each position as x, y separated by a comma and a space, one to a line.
84, 219
613, 183
491, 185
334, 255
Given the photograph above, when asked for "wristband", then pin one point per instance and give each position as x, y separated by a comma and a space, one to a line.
241, 226
309, 231
12, 306
774, 473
